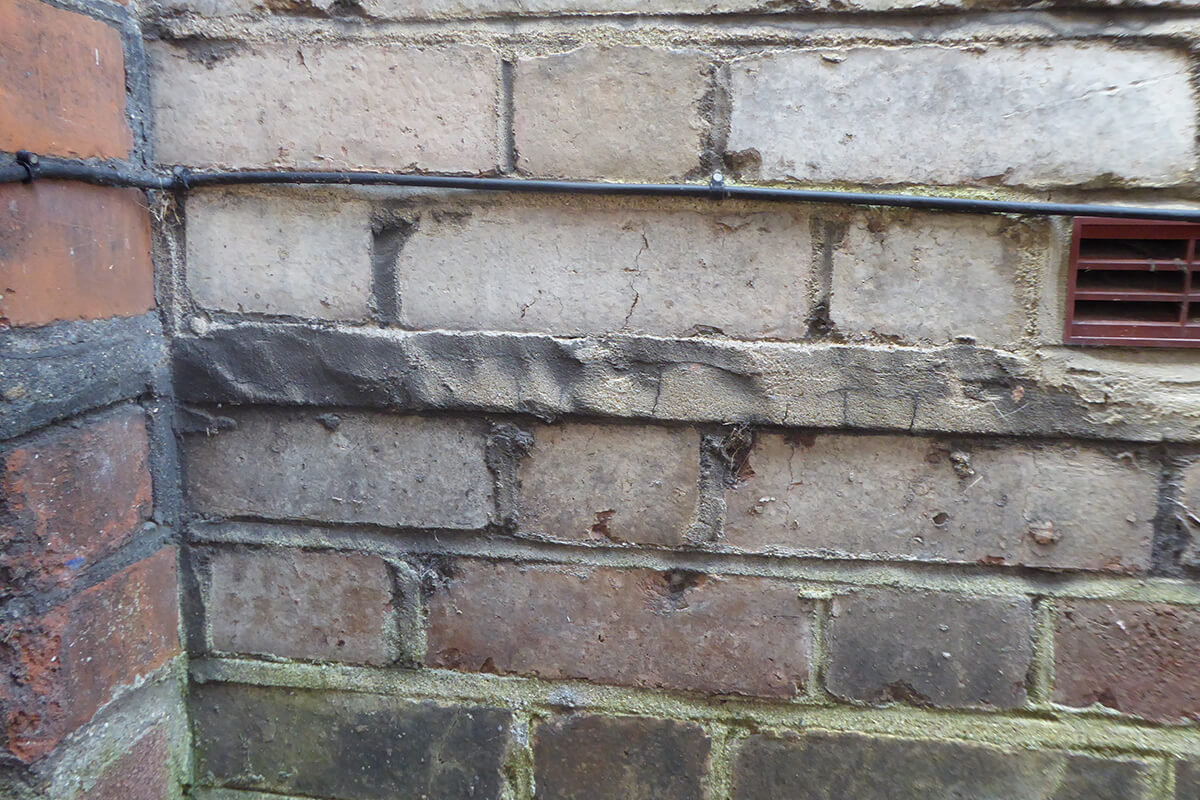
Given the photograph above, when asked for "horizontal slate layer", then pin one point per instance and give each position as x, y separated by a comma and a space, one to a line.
960, 389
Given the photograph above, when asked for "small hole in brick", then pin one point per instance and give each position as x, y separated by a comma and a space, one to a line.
941, 518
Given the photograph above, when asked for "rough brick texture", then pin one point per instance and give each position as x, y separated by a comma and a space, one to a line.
346, 746
73, 251
140, 773
345, 467
675, 630
1187, 780
1070, 507
67, 663
278, 99
962, 273
573, 269
295, 604
279, 253
1141, 659
930, 648
821, 766
620, 113
619, 758
62, 83
610, 483
1032, 115
71, 496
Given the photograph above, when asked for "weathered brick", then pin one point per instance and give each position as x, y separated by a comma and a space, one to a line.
619, 758
1187, 780
73, 251
831, 766
1058, 506
674, 630
325, 105
1141, 659
616, 113
279, 253
960, 272
348, 467
62, 84
575, 269
346, 745
140, 773
1024, 115
295, 604
930, 648
71, 496
64, 665
610, 483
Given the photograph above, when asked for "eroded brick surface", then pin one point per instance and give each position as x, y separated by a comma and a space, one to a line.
71, 496
64, 665
619, 758
674, 630
141, 773
1139, 658
345, 745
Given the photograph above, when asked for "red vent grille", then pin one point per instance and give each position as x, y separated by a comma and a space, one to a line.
1134, 283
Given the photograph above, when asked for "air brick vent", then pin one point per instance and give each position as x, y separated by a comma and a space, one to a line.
1134, 283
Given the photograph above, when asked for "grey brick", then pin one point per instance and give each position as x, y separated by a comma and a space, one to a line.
1024, 115
349, 467
930, 648
346, 745
829, 766
610, 483
1059, 506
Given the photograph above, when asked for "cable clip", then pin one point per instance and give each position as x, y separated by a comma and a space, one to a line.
182, 174
717, 187
29, 161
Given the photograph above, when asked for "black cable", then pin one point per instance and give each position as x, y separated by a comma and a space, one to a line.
183, 179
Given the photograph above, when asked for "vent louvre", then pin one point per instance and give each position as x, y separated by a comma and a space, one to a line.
1134, 283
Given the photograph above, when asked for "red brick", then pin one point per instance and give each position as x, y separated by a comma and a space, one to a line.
61, 667
140, 773
674, 630
71, 496
62, 83
1142, 659
72, 251
293, 604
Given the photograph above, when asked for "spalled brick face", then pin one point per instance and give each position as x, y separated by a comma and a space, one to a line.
610, 483
930, 648
619, 758
1140, 659
346, 746
293, 604
344, 467
140, 773
277, 97
72, 252
576, 269
64, 665
572, 113
71, 496
62, 83
1057, 93
674, 630
826, 766
908, 497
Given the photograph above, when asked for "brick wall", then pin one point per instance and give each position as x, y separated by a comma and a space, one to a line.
507, 496
90, 654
